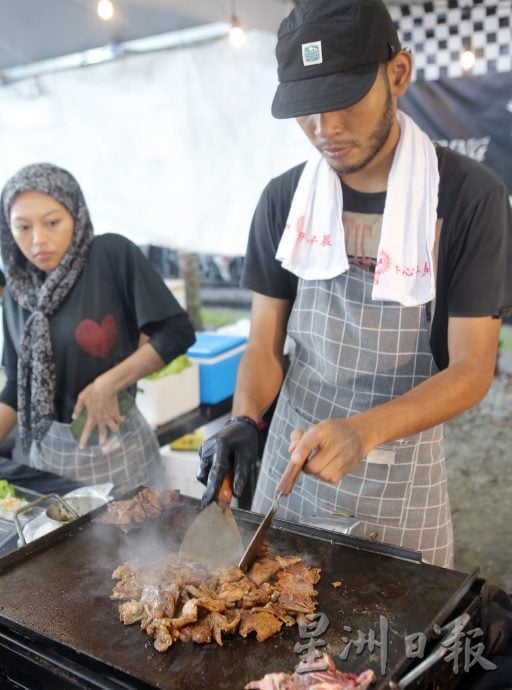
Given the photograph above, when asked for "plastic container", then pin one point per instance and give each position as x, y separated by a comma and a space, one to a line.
181, 467
218, 357
161, 400
177, 287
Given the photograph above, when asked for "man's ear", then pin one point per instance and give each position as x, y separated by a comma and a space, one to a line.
399, 71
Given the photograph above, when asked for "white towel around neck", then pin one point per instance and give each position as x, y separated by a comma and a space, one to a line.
313, 242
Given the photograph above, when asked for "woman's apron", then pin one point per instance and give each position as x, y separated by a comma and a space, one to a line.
351, 354
128, 458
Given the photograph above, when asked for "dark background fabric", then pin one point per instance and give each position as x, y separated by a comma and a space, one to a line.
470, 115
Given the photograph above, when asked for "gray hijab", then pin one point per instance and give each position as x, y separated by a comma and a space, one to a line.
41, 293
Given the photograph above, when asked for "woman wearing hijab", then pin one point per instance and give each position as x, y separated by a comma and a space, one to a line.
74, 310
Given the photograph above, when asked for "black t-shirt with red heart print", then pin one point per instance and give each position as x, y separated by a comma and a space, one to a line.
118, 294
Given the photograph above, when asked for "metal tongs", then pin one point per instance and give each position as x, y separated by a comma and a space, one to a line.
292, 471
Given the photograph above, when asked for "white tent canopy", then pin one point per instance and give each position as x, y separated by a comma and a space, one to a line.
171, 148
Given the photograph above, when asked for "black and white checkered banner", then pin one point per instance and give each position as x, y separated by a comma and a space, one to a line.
437, 34
469, 112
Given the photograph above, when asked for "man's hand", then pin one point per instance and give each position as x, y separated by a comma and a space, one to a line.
334, 448
234, 446
102, 411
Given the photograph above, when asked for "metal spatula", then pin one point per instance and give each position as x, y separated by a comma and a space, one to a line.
284, 487
213, 536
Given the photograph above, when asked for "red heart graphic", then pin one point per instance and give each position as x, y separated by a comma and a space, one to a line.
97, 339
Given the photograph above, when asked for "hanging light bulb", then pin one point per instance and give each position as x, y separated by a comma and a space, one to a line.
237, 35
467, 60
105, 9
467, 57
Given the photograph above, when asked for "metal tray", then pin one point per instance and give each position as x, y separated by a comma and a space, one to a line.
7, 531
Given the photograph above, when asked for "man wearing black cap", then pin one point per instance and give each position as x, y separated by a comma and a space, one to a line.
386, 262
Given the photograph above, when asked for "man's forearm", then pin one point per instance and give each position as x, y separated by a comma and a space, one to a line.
258, 382
472, 345
432, 402
339, 445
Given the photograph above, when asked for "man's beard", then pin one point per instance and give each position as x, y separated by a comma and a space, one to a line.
377, 139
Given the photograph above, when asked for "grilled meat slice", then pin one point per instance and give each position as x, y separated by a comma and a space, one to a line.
245, 593
131, 513
296, 594
169, 497
262, 570
125, 570
257, 596
131, 612
211, 604
199, 632
299, 569
172, 593
232, 574
231, 592
280, 613
220, 623
261, 621
163, 638
130, 588
155, 501
188, 615
287, 561
153, 600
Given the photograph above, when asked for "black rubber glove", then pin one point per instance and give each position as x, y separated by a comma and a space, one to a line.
235, 447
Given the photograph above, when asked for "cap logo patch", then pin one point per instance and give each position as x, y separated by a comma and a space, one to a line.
312, 53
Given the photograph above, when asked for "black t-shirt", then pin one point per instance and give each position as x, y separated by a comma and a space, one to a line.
117, 295
474, 268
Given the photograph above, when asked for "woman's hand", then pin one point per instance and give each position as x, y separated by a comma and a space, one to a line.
334, 448
102, 407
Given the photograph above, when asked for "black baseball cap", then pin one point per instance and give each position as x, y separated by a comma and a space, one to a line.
328, 54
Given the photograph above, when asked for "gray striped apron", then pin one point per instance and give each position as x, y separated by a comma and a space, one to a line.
128, 458
350, 354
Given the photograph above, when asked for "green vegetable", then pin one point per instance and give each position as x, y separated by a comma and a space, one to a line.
6, 489
125, 402
175, 367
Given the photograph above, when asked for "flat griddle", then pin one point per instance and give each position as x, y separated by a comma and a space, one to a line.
55, 595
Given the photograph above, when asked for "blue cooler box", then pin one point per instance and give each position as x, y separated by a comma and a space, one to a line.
218, 357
